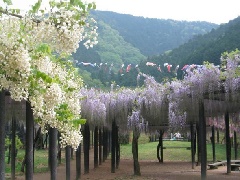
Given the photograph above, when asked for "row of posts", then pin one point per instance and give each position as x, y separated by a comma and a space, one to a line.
199, 137
102, 138
105, 141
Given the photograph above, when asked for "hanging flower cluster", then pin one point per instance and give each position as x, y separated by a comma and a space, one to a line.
219, 122
92, 108
205, 80
63, 31
102, 108
125, 101
231, 74
154, 102
34, 47
136, 121
172, 104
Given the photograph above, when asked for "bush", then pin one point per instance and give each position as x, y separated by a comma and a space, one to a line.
123, 138
19, 144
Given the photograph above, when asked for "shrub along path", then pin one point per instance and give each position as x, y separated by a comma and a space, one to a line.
149, 169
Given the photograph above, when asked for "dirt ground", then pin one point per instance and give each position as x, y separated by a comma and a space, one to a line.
150, 170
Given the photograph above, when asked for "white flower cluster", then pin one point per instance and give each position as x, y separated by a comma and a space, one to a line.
14, 61
64, 33
47, 98
72, 138
92, 34
30, 71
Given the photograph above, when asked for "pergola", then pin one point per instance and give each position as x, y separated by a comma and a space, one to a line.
107, 126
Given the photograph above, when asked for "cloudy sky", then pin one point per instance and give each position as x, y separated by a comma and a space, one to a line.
215, 11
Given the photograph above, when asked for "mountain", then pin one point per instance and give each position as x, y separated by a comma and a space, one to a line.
126, 39
150, 35
207, 47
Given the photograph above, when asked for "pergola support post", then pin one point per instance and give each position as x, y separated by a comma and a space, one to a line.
117, 148
13, 148
228, 142
2, 134
202, 132
160, 147
100, 146
68, 158
113, 149
198, 144
213, 144
78, 162
105, 143
53, 147
96, 147
235, 146
86, 146
192, 145
29, 142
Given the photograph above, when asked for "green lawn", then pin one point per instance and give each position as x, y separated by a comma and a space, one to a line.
40, 161
148, 151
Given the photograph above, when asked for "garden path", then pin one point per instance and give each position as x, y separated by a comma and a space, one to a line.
150, 170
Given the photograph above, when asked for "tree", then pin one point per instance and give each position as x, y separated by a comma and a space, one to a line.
35, 45
136, 123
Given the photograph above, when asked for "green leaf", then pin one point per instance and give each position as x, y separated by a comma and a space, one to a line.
45, 48
18, 11
71, 89
94, 6
8, 2
80, 4
9, 35
36, 6
22, 26
77, 122
52, 4
44, 77
48, 79
38, 74
89, 6
82, 121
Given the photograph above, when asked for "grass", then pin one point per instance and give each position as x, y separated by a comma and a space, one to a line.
19, 160
40, 161
148, 150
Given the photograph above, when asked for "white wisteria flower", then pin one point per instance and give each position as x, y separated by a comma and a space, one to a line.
33, 46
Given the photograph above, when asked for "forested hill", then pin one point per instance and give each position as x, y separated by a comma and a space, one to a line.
207, 47
126, 39
140, 37
152, 36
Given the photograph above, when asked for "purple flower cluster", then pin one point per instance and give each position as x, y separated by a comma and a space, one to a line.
136, 121
172, 104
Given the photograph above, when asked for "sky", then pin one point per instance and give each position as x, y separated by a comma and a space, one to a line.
214, 11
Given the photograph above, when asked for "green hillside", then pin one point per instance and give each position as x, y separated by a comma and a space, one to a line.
113, 49
128, 40
153, 36
208, 47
